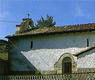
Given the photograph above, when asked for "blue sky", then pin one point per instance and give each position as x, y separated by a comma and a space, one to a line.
65, 12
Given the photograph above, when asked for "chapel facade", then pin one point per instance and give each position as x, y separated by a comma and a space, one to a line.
53, 50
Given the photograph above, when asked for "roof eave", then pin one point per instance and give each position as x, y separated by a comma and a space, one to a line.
48, 33
82, 52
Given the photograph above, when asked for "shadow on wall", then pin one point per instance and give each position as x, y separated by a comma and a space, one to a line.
58, 44
91, 53
27, 44
3, 67
19, 65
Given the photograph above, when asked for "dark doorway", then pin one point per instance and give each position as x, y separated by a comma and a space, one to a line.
67, 65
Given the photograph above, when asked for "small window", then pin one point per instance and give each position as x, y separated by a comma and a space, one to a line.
87, 42
31, 44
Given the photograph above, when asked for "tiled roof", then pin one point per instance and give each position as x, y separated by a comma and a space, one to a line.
58, 29
84, 51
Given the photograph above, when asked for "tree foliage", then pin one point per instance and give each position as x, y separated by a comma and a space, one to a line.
26, 25
46, 23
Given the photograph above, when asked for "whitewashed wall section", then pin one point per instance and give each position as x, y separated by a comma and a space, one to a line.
86, 60
46, 50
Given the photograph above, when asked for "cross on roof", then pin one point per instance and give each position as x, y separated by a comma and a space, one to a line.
28, 15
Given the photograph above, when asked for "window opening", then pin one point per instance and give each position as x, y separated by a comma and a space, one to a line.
87, 42
31, 44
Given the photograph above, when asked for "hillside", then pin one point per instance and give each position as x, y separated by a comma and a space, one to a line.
3, 50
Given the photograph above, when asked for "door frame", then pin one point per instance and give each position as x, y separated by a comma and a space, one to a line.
67, 65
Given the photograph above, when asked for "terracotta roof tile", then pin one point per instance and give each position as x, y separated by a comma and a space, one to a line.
58, 29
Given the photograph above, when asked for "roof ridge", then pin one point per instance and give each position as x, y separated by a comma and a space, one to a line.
77, 24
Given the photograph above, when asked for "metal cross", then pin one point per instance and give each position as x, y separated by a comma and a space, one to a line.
28, 15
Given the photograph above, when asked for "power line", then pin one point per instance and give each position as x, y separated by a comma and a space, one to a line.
8, 21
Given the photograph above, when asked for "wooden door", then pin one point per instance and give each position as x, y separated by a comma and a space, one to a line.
67, 67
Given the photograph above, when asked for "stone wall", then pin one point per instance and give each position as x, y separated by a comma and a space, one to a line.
86, 60
85, 70
59, 67
46, 50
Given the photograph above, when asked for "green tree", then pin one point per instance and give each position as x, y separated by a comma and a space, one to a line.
46, 23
